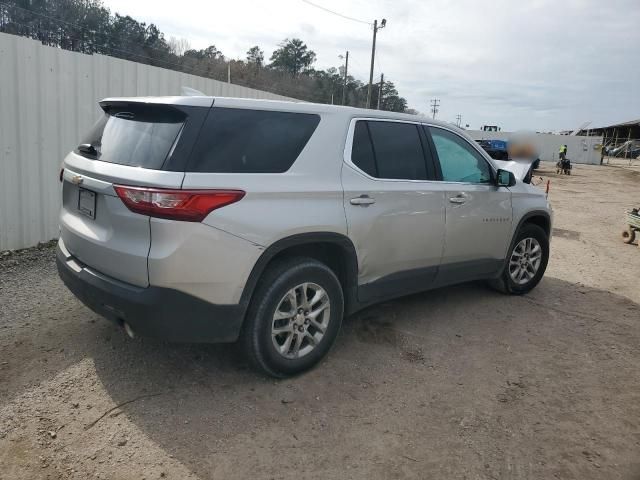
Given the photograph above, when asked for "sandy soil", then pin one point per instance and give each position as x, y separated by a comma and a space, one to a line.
458, 383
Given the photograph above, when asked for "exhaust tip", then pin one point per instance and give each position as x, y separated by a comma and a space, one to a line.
129, 330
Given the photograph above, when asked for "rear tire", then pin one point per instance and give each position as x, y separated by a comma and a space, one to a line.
628, 235
522, 258
279, 305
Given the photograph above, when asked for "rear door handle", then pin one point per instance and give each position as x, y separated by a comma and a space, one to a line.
363, 200
459, 199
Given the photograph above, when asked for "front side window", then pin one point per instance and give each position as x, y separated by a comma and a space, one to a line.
389, 150
236, 140
459, 162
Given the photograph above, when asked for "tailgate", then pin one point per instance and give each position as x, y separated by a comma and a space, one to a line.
136, 144
99, 230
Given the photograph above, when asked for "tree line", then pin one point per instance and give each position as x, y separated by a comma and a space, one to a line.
87, 26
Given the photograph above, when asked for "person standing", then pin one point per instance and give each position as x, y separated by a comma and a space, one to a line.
563, 152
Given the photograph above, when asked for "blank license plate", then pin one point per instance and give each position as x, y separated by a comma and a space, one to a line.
87, 203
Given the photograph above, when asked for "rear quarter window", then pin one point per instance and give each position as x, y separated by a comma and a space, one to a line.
251, 141
362, 151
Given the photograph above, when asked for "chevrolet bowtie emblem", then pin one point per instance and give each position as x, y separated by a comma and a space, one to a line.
77, 179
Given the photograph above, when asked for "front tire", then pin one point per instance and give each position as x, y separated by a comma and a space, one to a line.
294, 317
526, 261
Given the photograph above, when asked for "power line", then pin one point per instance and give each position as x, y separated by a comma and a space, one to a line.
91, 43
336, 13
435, 103
383, 23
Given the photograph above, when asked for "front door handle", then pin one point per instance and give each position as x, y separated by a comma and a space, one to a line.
363, 200
459, 199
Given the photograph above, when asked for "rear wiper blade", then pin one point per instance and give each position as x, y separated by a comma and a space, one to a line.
87, 148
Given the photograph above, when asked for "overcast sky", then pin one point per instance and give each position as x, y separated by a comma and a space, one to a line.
534, 64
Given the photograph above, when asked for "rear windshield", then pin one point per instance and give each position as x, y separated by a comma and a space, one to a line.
139, 136
251, 141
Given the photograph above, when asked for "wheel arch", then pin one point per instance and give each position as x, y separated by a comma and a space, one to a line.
541, 218
536, 217
334, 249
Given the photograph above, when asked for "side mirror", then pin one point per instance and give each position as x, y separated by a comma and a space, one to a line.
505, 178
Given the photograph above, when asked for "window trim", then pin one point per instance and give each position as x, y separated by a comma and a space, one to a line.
477, 148
348, 148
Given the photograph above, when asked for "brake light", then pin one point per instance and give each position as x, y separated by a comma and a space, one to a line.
185, 205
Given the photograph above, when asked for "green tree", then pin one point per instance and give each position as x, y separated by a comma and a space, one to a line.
209, 53
391, 100
255, 56
293, 57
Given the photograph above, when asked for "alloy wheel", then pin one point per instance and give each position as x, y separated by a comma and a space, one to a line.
300, 320
525, 260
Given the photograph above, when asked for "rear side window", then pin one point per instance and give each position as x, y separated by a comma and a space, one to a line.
139, 136
390, 150
251, 141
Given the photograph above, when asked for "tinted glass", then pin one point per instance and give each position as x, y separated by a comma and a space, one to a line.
398, 150
362, 151
134, 136
251, 141
459, 162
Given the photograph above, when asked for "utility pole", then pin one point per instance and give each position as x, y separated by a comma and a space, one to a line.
344, 88
380, 90
229, 72
435, 103
383, 24
458, 120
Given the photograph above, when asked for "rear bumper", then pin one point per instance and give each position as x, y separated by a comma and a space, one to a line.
152, 311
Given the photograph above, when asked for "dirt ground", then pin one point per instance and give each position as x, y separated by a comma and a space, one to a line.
462, 382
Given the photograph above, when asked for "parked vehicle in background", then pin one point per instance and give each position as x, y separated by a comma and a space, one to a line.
497, 149
628, 149
207, 219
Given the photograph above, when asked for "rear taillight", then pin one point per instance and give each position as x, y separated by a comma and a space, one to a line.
185, 205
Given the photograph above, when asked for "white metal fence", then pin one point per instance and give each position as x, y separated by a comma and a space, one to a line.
48, 100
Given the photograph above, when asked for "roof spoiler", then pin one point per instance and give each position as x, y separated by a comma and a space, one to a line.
191, 92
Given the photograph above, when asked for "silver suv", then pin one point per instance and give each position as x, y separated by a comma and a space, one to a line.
205, 219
